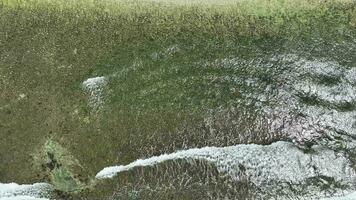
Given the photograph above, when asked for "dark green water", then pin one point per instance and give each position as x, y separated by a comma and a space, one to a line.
80, 92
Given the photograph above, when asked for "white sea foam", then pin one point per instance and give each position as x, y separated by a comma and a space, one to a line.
351, 75
22, 198
95, 88
350, 196
14, 191
265, 166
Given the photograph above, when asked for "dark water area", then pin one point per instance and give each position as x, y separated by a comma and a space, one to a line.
220, 112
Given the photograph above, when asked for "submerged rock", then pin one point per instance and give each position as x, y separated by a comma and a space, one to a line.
59, 166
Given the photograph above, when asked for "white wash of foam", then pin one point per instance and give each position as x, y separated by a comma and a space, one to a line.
351, 75
14, 191
22, 198
350, 196
341, 93
95, 88
266, 166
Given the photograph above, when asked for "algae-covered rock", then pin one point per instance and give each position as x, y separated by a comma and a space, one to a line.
60, 167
